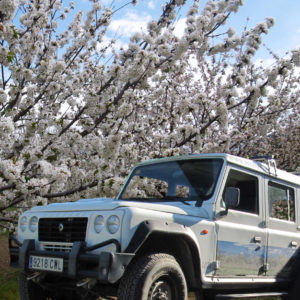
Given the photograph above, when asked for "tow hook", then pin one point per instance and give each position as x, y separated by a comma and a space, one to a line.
86, 282
33, 276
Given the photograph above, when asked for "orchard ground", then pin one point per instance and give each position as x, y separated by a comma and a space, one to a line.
8, 276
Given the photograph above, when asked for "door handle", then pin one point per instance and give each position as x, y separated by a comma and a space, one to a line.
294, 244
257, 239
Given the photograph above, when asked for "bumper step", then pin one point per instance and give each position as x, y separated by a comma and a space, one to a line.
249, 296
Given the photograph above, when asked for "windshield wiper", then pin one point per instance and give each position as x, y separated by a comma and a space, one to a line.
175, 198
141, 199
183, 200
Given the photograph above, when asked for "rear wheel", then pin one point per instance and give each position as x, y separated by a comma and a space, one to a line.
294, 293
153, 277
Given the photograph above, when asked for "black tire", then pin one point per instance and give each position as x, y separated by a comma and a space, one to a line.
294, 292
28, 290
153, 277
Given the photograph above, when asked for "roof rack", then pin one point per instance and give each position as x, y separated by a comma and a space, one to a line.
269, 160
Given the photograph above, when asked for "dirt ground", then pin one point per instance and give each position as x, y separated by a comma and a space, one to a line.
4, 256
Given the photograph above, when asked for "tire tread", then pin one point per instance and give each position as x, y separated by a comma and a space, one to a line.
131, 281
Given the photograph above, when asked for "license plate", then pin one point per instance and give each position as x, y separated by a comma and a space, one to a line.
46, 263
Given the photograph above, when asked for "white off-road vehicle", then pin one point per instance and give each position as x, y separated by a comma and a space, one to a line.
207, 225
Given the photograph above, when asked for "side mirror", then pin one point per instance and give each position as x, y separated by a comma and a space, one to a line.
232, 197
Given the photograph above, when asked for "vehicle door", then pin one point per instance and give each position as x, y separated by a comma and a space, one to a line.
241, 236
282, 226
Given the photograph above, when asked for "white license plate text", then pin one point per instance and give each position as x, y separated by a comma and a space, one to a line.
46, 263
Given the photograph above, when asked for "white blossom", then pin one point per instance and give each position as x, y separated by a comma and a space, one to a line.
8, 9
7, 126
231, 31
3, 96
296, 57
59, 66
28, 74
69, 117
57, 5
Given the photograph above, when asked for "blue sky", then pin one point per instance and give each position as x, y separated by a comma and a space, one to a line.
284, 36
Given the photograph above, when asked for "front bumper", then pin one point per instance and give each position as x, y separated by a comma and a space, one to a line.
107, 267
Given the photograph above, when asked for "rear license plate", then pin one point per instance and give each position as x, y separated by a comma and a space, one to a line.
46, 263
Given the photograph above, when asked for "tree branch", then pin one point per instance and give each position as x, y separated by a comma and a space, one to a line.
7, 187
9, 220
71, 191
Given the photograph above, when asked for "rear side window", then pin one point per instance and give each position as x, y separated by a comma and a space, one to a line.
281, 202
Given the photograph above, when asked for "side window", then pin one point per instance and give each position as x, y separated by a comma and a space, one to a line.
281, 202
248, 186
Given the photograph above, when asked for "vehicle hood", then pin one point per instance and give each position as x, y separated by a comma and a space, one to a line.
98, 204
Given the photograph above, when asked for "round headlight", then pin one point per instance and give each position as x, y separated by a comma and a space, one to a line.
99, 223
23, 223
33, 222
113, 224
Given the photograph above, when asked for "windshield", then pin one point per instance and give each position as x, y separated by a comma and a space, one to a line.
181, 180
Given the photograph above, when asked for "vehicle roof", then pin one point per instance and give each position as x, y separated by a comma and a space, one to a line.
235, 160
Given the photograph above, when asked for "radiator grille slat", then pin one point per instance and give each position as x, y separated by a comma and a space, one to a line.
61, 247
67, 230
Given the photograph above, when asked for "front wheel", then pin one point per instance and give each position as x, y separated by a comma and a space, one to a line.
153, 277
28, 290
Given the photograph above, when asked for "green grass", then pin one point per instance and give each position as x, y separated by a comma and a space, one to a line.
9, 285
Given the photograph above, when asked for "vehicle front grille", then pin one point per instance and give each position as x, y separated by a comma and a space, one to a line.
61, 247
66, 230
